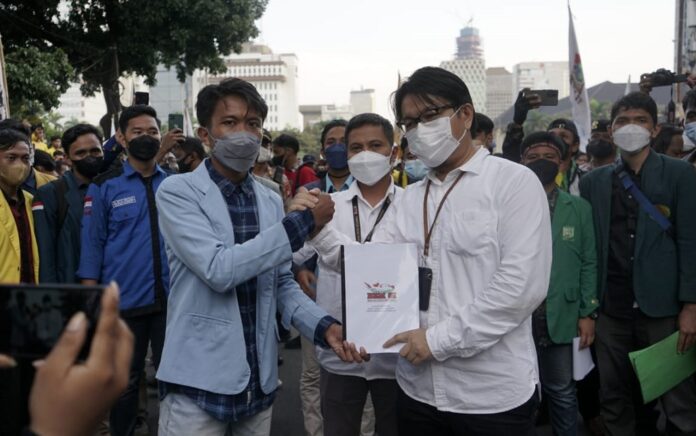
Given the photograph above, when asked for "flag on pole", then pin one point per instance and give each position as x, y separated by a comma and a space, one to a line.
4, 97
188, 125
578, 91
628, 86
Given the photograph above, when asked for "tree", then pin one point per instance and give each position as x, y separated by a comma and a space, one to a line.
36, 79
600, 109
106, 39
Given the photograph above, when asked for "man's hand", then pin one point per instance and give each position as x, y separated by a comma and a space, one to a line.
71, 398
691, 80
524, 103
645, 85
345, 351
7, 362
169, 140
307, 280
416, 349
324, 210
687, 327
586, 331
304, 200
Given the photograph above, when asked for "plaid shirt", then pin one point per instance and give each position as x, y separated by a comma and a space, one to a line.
243, 210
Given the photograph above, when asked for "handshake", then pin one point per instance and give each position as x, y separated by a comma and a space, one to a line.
321, 205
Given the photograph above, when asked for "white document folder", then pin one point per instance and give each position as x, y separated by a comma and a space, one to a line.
582, 361
379, 292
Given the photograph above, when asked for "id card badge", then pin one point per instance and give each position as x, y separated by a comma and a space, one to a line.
425, 282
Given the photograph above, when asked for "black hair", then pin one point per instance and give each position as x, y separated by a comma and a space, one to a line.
428, 82
71, 135
566, 124
133, 112
483, 124
193, 145
689, 100
287, 141
14, 124
404, 143
635, 100
545, 138
58, 152
10, 137
371, 120
53, 138
36, 126
339, 122
44, 160
663, 139
209, 97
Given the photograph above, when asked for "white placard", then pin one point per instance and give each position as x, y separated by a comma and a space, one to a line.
380, 293
582, 361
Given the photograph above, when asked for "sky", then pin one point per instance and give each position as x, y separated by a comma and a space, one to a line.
345, 45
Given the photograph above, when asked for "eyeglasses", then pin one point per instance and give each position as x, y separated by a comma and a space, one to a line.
429, 114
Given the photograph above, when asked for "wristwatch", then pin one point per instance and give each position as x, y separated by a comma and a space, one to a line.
594, 315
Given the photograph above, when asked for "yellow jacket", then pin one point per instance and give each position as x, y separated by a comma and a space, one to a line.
9, 242
42, 179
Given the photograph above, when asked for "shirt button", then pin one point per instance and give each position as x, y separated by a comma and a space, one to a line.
632, 236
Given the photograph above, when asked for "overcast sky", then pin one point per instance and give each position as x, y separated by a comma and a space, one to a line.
345, 45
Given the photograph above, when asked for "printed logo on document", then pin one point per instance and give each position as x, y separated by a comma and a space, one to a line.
380, 292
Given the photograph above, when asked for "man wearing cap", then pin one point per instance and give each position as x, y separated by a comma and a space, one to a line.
569, 176
570, 306
601, 148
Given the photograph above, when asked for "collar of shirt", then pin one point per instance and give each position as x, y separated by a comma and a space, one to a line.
15, 203
129, 171
473, 165
354, 191
330, 188
225, 185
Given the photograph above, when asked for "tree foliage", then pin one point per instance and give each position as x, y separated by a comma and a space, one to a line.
36, 79
106, 39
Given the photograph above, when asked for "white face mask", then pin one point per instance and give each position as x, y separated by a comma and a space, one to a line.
631, 138
689, 136
432, 141
369, 167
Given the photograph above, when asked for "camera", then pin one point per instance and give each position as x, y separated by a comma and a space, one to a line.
664, 77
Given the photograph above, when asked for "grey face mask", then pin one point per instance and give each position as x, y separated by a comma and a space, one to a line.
237, 151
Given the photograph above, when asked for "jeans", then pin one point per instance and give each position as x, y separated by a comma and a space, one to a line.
147, 329
180, 416
420, 419
557, 384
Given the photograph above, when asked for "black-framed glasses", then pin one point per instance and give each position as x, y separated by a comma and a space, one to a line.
428, 114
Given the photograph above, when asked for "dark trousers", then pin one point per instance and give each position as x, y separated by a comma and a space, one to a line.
418, 419
147, 330
621, 399
343, 400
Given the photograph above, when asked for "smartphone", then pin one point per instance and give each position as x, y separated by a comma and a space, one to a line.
549, 97
142, 98
32, 317
176, 121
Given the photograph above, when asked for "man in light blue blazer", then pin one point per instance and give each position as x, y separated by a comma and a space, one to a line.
230, 247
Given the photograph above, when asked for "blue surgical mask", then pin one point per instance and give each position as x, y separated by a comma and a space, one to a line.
415, 170
336, 156
689, 136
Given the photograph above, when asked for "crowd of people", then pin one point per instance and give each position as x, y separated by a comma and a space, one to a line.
221, 242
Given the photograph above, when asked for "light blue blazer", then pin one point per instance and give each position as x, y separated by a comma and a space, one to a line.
204, 343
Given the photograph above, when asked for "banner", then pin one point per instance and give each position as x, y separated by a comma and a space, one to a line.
578, 91
4, 98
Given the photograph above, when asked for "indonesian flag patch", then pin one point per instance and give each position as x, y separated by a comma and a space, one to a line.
37, 206
88, 206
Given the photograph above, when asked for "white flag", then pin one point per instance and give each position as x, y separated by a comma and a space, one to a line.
4, 97
578, 91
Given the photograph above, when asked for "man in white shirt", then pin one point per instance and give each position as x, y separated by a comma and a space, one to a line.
360, 210
482, 227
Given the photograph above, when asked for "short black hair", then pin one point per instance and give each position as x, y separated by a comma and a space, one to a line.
689, 100
44, 160
287, 141
57, 153
53, 138
483, 124
9, 137
338, 122
566, 124
209, 97
71, 135
369, 119
661, 142
635, 100
14, 124
193, 145
133, 112
428, 82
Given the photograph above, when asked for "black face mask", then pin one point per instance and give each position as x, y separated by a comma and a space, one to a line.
600, 148
183, 166
544, 169
143, 147
89, 166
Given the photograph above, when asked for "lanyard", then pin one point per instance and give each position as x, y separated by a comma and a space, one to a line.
356, 219
427, 233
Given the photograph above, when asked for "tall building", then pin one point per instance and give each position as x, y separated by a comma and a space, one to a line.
470, 66
170, 96
685, 36
543, 75
500, 92
316, 113
362, 101
275, 77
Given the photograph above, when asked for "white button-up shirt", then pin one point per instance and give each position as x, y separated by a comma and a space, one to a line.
380, 366
490, 253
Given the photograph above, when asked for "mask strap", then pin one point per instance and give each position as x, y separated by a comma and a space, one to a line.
465, 129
